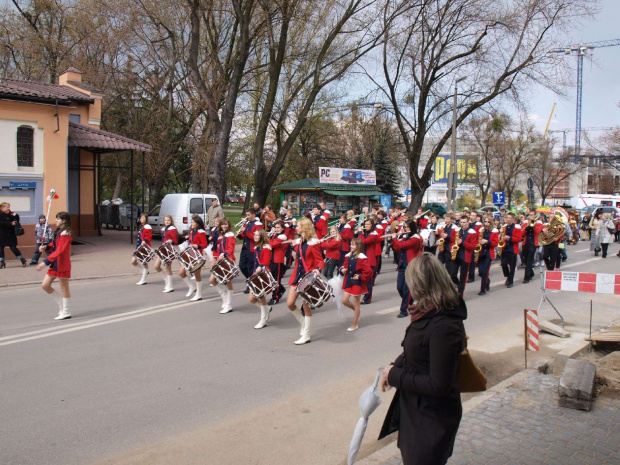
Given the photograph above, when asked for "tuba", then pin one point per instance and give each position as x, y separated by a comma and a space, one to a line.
555, 229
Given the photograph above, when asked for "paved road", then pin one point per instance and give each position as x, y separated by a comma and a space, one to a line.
136, 369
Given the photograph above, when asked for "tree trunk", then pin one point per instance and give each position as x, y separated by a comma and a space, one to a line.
417, 196
119, 183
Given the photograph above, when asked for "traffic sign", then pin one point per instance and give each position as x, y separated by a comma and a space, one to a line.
408, 192
499, 198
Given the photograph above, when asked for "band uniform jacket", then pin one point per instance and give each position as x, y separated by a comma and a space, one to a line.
247, 234
170, 234
199, 238
332, 248
466, 248
488, 249
451, 232
528, 232
370, 248
226, 245
426, 409
413, 246
356, 265
346, 234
512, 244
262, 257
60, 258
145, 235
309, 257
422, 222
279, 248
320, 223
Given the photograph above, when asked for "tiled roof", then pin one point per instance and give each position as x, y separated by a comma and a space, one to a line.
101, 141
71, 69
40, 92
85, 87
313, 183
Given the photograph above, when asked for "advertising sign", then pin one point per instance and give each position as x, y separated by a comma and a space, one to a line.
347, 176
466, 168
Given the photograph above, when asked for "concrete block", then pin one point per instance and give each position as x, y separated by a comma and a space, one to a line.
554, 329
576, 387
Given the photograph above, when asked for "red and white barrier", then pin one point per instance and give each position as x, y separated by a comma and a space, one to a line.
598, 283
531, 325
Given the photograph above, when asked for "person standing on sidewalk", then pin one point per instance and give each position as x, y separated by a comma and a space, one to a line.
595, 237
213, 212
426, 409
41, 237
606, 233
8, 220
59, 262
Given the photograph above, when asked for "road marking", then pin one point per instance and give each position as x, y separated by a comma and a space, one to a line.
388, 311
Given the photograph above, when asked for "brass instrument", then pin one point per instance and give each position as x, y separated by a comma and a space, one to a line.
415, 218
555, 229
532, 222
478, 248
331, 236
455, 248
241, 223
441, 243
502, 243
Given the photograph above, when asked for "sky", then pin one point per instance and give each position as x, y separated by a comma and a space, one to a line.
601, 81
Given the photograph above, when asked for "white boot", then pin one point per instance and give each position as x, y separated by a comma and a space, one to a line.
300, 318
227, 302
191, 285
305, 337
168, 280
264, 317
142, 281
221, 290
57, 296
64, 313
198, 295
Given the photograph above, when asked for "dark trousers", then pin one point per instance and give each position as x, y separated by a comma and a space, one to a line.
403, 291
529, 252
509, 263
472, 269
37, 255
444, 257
277, 271
550, 256
246, 262
462, 271
604, 246
288, 257
330, 266
484, 266
379, 262
14, 249
371, 283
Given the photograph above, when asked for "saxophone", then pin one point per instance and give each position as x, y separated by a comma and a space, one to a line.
502, 243
455, 248
478, 248
441, 244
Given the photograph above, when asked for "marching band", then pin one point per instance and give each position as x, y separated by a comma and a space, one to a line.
350, 249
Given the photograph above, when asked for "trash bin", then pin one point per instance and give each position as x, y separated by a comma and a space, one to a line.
103, 214
113, 216
128, 214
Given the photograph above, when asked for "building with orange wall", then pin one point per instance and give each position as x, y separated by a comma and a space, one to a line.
50, 139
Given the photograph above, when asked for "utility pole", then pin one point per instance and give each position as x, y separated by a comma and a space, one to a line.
453, 174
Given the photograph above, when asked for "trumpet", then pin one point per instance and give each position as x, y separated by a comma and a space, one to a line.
241, 223
502, 243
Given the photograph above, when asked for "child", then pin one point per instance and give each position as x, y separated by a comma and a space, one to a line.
262, 259
59, 262
169, 234
332, 248
279, 245
145, 236
41, 237
357, 272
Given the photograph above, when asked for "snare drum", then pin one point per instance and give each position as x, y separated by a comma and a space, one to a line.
191, 259
144, 254
166, 253
225, 270
428, 237
261, 283
314, 289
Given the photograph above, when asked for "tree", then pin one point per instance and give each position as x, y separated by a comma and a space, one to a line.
494, 47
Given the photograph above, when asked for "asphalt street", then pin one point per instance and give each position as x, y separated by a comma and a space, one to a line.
135, 368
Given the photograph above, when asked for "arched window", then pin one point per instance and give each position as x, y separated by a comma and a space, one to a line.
25, 146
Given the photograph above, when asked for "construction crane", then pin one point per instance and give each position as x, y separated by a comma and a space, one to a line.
565, 130
581, 50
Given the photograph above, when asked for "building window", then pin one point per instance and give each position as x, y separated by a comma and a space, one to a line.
25, 146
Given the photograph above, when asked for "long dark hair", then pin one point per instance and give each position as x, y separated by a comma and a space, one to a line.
412, 225
198, 220
66, 223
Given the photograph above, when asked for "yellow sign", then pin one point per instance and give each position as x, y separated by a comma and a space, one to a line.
466, 168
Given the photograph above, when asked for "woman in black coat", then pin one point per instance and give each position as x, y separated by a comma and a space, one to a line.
426, 409
8, 219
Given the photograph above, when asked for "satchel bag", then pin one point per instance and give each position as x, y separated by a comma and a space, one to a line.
19, 231
470, 377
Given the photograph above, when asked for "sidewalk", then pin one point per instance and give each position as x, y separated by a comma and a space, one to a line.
519, 422
95, 257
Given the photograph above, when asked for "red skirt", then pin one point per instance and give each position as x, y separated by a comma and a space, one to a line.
356, 290
59, 274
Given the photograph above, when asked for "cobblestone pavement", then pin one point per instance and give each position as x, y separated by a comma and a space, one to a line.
525, 425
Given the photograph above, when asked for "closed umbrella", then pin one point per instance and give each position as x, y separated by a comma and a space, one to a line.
336, 284
369, 401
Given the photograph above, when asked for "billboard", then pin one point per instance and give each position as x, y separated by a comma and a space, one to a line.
466, 168
347, 176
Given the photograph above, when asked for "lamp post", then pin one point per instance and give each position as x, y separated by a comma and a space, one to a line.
452, 177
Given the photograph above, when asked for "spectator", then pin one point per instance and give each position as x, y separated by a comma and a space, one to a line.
284, 208
258, 209
8, 220
267, 217
595, 237
42, 237
214, 211
426, 409
606, 232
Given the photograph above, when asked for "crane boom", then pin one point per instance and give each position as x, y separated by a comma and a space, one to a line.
549, 120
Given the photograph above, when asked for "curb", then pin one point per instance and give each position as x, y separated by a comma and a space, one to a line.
390, 451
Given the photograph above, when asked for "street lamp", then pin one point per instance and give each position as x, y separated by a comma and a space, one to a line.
452, 178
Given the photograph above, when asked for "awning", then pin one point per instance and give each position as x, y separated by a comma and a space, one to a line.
96, 140
355, 193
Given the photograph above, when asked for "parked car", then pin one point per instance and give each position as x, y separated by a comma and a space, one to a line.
488, 208
436, 207
154, 220
182, 207
593, 208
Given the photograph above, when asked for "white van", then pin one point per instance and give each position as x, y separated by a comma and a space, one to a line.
182, 207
